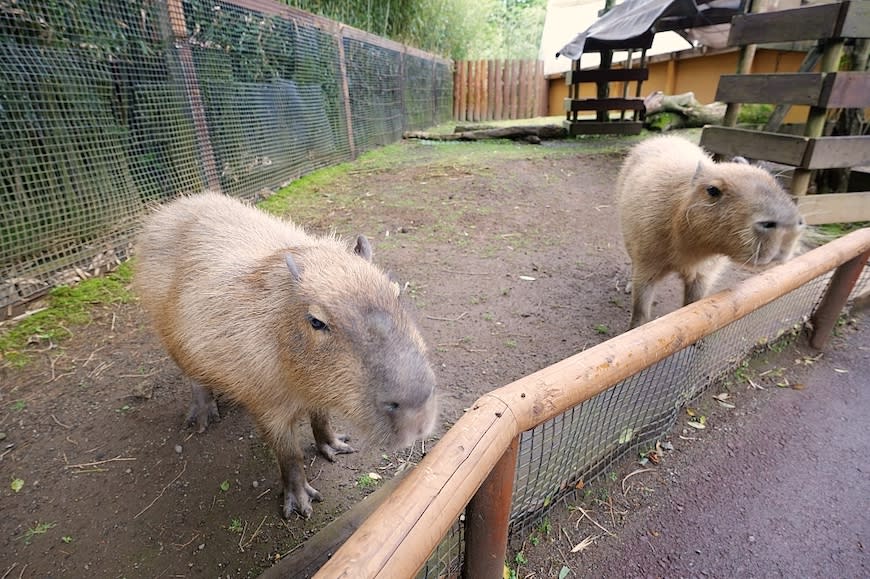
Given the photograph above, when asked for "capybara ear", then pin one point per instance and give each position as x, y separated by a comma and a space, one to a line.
291, 265
698, 171
363, 248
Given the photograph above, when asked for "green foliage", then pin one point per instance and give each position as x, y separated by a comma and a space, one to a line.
367, 481
602, 329
39, 529
459, 29
754, 114
67, 306
834, 230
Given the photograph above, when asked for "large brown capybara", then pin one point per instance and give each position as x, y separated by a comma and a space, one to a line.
286, 324
682, 212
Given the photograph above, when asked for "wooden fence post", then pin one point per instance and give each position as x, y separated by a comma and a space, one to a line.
828, 310
486, 520
498, 87
463, 91
345, 90
194, 97
815, 126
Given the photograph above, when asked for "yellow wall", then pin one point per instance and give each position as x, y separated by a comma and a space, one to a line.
698, 74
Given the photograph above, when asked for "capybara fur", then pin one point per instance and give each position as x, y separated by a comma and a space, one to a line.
285, 324
682, 212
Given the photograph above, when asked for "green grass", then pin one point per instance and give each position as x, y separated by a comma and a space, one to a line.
834, 230
39, 529
67, 306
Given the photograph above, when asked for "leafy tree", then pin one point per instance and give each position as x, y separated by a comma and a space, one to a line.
459, 29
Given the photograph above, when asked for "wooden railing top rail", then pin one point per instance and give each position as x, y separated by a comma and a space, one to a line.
398, 537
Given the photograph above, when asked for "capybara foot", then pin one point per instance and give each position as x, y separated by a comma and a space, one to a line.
203, 415
203, 408
299, 501
338, 445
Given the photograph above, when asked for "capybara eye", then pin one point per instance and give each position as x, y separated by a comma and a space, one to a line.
317, 324
713, 191
767, 224
392, 406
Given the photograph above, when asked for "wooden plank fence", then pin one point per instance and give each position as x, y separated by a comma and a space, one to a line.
496, 90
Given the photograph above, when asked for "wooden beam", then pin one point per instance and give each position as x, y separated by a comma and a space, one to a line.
606, 75
828, 312
857, 21
815, 125
786, 149
345, 91
847, 90
609, 104
791, 88
817, 22
487, 517
835, 208
616, 127
837, 152
498, 87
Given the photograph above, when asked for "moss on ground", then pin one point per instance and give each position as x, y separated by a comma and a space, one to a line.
66, 306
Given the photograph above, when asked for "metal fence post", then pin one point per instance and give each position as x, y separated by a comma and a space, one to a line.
835, 297
486, 520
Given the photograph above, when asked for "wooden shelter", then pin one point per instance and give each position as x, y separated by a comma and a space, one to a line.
603, 104
630, 26
831, 25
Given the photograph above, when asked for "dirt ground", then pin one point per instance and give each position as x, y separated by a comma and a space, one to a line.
513, 261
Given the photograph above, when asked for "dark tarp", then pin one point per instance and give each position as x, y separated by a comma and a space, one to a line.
637, 20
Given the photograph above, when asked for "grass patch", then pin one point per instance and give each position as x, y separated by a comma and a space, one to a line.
39, 529
834, 230
67, 306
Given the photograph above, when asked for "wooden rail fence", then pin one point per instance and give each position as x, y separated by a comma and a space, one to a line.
474, 461
496, 90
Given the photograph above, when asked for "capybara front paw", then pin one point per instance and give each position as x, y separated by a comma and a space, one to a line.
203, 414
300, 502
338, 445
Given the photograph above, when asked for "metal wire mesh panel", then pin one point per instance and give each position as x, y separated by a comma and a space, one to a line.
376, 87
428, 92
69, 175
587, 440
446, 561
271, 95
106, 107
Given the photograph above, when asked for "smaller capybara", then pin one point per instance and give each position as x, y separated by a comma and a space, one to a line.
287, 325
682, 212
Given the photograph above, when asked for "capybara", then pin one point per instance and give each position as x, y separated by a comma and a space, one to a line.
682, 212
286, 324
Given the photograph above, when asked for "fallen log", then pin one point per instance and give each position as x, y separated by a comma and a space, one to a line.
664, 112
529, 133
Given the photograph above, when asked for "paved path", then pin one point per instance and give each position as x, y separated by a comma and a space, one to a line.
783, 492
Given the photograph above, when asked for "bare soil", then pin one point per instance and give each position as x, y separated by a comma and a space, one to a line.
512, 260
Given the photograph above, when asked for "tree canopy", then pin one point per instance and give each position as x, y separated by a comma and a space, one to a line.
458, 29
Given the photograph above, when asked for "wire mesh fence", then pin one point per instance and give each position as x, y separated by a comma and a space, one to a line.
106, 107
589, 439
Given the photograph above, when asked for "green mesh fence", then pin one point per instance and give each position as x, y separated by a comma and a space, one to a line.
107, 107
587, 440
